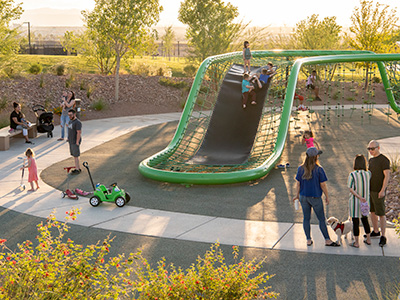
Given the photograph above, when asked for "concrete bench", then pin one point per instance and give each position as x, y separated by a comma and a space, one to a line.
5, 135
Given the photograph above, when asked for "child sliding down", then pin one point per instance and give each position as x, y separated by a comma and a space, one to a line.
247, 90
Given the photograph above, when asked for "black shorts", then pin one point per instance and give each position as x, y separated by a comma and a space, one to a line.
74, 150
310, 86
377, 205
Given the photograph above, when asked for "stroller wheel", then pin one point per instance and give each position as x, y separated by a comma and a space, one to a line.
63, 194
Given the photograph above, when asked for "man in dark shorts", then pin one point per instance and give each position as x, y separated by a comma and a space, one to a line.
74, 138
379, 165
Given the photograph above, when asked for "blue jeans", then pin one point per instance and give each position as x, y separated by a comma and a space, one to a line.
64, 121
316, 203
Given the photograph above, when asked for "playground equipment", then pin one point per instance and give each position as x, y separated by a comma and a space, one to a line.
218, 142
103, 194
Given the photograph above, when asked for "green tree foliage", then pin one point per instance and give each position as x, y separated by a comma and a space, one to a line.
121, 26
373, 28
9, 41
98, 50
313, 34
168, 41
257, 37
210, 26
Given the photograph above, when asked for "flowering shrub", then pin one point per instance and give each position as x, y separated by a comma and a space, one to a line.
57, 110
210, 278
57, 268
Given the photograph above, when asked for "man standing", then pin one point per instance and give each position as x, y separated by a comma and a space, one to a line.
379, 165
74, 138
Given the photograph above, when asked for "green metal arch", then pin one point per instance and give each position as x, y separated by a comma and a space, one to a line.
315, 57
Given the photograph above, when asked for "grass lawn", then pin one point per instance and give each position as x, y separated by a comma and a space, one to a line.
78, 64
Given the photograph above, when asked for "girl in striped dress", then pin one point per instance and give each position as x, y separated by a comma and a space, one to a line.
358, 184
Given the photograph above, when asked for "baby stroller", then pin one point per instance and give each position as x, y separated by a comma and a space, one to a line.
44, 120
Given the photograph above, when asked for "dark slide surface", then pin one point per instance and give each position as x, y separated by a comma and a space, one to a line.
232, 129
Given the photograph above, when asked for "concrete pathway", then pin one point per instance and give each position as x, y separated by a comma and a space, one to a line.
158, 223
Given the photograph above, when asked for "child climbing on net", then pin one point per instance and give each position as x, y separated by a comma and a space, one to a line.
301, 102
248, 90
308, 139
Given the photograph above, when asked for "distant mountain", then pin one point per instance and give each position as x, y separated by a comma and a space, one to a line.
52, 17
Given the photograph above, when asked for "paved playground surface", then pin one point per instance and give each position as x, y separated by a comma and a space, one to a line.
180, 222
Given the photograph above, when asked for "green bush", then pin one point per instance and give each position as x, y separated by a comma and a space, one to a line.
3, 103
89, 90
178, 74
35, 69
41, 82
336, 95
11, 71
179, 84
376, 79
60, 70
57, 268
145, 69
99, 104
69, 81
190, 70
4, 122
82, 85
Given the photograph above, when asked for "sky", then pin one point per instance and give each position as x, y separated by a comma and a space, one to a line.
276, 13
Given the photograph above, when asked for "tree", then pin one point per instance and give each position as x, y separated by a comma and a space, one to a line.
9, 41
97, 51
314, 34
373, 28
168, 41
121, 26
210, 26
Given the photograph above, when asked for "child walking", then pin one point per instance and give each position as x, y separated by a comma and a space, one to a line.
358, 183
308, 139
246, 56
32, 168
247, 90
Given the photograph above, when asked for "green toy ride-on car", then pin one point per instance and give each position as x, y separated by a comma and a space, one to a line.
103, 194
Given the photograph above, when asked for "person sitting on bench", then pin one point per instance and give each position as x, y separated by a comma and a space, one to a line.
18, 122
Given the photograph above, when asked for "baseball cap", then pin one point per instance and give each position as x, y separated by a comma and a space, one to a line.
312, 151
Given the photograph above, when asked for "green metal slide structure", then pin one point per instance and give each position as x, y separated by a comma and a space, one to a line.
171, 164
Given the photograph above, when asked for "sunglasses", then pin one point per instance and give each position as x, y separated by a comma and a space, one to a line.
371, 148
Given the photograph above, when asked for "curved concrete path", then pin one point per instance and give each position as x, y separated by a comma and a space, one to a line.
157, 223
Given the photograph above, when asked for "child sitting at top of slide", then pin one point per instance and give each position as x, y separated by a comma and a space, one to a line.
266, 73
248, 90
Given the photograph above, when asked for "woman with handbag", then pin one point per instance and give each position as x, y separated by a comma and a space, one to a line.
358, 184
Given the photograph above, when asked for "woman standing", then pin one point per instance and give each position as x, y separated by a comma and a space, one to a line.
311, 183
359, 185
67, 102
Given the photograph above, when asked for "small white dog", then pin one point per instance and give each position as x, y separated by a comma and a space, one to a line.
341, 228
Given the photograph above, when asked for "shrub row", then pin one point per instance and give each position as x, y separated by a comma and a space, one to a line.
54, 267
